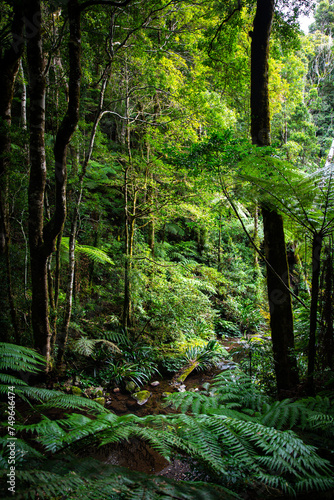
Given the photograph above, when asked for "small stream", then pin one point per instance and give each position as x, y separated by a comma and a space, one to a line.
136, 454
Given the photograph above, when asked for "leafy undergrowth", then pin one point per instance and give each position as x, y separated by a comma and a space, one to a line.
238, 437
68, 477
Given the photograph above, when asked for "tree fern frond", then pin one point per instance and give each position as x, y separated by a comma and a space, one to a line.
94, 253
9, 380
70, 401
18, 358
86, 346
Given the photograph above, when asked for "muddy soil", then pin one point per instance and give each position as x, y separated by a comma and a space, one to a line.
136, 454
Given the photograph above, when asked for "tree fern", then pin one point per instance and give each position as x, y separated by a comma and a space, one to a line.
86, 346
94, 253
306, 198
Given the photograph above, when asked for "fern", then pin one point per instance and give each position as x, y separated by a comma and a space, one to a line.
247, 425
18, 358
283, 414
86, 346
232, 430
88, 479
226, 445
94, 253
25, 359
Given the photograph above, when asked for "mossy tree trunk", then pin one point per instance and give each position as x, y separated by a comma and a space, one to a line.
63, 334
42, 238
281, 319
37, 180
316, 267
9, 66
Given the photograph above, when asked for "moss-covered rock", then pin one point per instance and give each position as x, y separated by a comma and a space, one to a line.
131, 386
76, 390
185, 372
142, 397
101, 401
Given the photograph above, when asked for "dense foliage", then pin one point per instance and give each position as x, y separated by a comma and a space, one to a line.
132, 242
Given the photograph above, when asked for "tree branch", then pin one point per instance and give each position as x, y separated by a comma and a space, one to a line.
220, 27
257, 249
111, 3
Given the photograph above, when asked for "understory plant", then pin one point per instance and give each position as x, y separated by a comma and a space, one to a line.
136, 361
176, 299
17, 365
232, 430
255, 357
203, 355
119, 360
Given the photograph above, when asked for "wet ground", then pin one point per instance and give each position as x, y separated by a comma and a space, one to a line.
136, 454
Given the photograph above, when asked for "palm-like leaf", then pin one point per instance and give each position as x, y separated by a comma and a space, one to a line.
94, 253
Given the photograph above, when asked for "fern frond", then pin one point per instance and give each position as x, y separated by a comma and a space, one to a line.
86, 346
94, 253
58, 399
237, 389
9, 380
282, 414
23, 450
18, 358
88, 479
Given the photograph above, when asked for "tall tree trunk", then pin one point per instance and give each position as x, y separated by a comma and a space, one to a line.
316, 255
42, 238
327, 335
281, 319
129, 217
37, 180
9, 65
219, 249
129, 235
23, 99
63, 334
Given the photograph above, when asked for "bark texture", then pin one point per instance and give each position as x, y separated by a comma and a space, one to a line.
42, 238
260, 113
316, 267
9, 64
281, 320
37, 180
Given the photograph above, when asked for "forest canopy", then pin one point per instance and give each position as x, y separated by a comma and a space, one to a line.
166, 192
